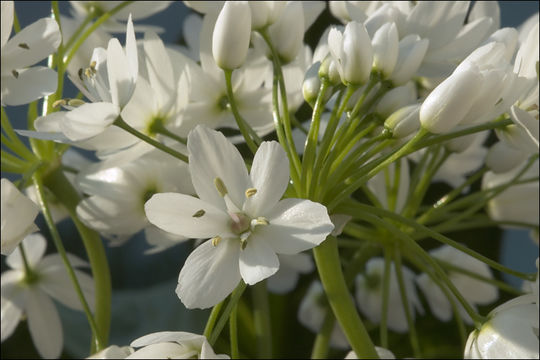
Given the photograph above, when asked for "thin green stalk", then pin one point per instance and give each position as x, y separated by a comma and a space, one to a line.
125, 126
233, 332
13, 139
261, 318
235, 296
166, 132
413, 336
59, 185
99, 341
383, 327
242, 124
78, 31
329, 267
322, 340
212, 318
308, 160
366, 210
29, 274
91, 29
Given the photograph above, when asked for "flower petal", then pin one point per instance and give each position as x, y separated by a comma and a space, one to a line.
181, 215
167, 336
29, 85
210, 273
212, 156
269, 175
88, 120
34, 248
40, 39
44, 324
121, 80
163, 351
7, 24
56, 282
258, 261
295, 225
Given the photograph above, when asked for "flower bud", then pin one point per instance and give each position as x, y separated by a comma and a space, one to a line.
396, 98
330, 70
311, 84
264, 13
287, 32
353, 52
404, 121
448, 103
230, 40
385, 49
412, 50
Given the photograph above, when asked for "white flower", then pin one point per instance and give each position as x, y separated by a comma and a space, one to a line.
115, 206
22, 84
109, 83
312, 312
173, 345
32, 296
18, 214
230, 40
473, 290
385, 48
381, 352
510, 333
242, 214
369, 292
113, 352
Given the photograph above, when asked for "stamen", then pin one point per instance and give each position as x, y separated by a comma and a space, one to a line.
15, 74
199, 213
261, 220
250, 192
244, 240
59, 103
75, 102
80, 73
216, 240
24, 46
220, 186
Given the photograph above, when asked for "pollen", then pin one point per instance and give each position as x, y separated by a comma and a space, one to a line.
199, 213
216, 240
220, 186
250, 192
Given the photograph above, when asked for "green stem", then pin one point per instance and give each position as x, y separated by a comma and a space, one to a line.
60, 186
383, 328
125, 126
91, 29
233, 332
160, 129
261, 318
99, 341
79, 30
329, 267
322, 341
242, 125
235, 296
29, 274
211, 322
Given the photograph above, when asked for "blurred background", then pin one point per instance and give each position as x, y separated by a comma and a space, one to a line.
143, 286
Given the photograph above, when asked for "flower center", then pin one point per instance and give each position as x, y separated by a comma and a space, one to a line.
240, 223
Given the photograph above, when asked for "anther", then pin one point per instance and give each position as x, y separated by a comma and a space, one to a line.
80, 72
250, 192
59, 103
199, 213
15, 73
216, 240
75, 102
220, 186
24, 46
261, 221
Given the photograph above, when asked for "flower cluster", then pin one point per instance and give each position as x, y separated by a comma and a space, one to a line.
340, 185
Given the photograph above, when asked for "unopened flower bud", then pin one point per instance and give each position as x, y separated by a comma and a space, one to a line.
412, 50
330, 70
287, 32
385, 49
396, 98
446, 106
264, 13
404, 121
312, 83
353, 52
230, 40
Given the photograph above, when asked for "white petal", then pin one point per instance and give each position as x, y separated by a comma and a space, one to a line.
257, 261
34, 248
41, 39
121, 79
437, 300
295, 225
7, 24
30, 84
167, 336
158, 64
88, 120
210, 273
527, 123
212, 156
12, 306
57, 283
44, 324
163, 351
174, 213
131, 49
269, 175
